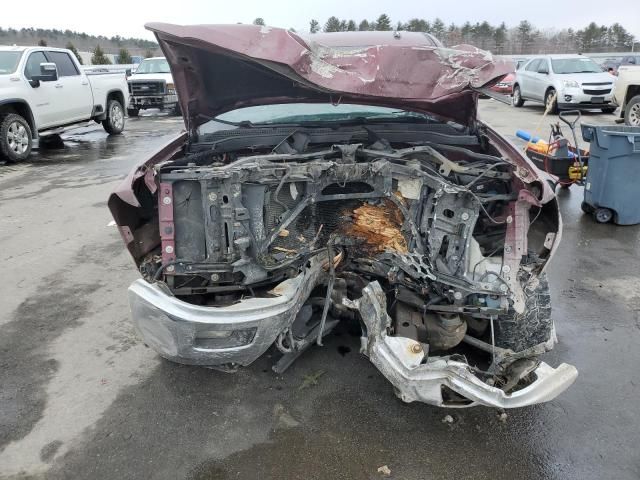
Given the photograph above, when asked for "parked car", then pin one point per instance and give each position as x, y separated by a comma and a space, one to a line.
43, 90
318, 184
564, 82
151, 86
615, 63
630, 60
610, 64
627, 94
505, 85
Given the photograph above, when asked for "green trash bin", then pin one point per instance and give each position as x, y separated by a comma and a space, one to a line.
612, 189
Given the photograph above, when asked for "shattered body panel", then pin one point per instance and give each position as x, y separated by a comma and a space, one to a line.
433, 237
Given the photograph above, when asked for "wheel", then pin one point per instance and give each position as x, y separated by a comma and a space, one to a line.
114, 123
550, 101
133, 112
632, 112
516, 99
608, 110
519, 331
586, 208
603, 215
176, 111
16, 139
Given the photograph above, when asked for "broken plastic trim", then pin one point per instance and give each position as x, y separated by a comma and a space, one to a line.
401, 361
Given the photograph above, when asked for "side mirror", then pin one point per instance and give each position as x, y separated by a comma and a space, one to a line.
48, 73
127, 72
544, 70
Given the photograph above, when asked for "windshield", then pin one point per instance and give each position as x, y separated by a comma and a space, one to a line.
9, 62
575, 65
154, 65
316, 112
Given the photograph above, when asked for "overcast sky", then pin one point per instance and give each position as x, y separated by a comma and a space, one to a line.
127, 17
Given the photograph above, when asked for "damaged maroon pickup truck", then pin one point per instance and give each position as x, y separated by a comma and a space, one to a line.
344, 178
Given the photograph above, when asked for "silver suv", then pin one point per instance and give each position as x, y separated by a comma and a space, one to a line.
564, 82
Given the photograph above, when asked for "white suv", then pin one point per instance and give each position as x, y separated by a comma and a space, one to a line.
564, 82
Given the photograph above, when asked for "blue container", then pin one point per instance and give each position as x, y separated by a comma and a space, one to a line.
613, 178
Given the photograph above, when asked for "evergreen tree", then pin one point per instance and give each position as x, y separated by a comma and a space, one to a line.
259, 21
332, 25
438, 29
124, 57
525, 31
417, 25
314, 26
74, 50
99, 58
383, 23
500, 38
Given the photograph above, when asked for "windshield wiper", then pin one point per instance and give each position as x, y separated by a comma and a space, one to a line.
240, 124
335, 122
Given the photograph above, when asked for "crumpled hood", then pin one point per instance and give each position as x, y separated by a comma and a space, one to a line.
218, 68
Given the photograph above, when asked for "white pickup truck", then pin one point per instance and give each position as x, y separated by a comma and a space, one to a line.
151, 86
627, 94
43, 90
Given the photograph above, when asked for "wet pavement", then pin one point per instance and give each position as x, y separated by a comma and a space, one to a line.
82, 397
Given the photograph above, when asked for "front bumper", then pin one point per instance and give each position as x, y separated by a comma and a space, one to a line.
155, 101
401, 361
183, 333
575, 98
201, 335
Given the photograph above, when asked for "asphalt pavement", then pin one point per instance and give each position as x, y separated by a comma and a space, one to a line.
82, 397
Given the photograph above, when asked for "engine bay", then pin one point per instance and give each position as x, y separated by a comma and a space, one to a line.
441, 226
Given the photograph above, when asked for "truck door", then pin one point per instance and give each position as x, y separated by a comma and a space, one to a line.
43, 97
72, 88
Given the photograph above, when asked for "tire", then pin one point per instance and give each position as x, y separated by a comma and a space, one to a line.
586, 208
133, 112
16, 139
603, 215
114, 123
550, 105
516, 99
608, 110
519, 331
176, 111
632, 112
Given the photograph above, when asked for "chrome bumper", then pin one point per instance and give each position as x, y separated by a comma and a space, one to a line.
401, 361
153, 100
238, 334
201, 335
